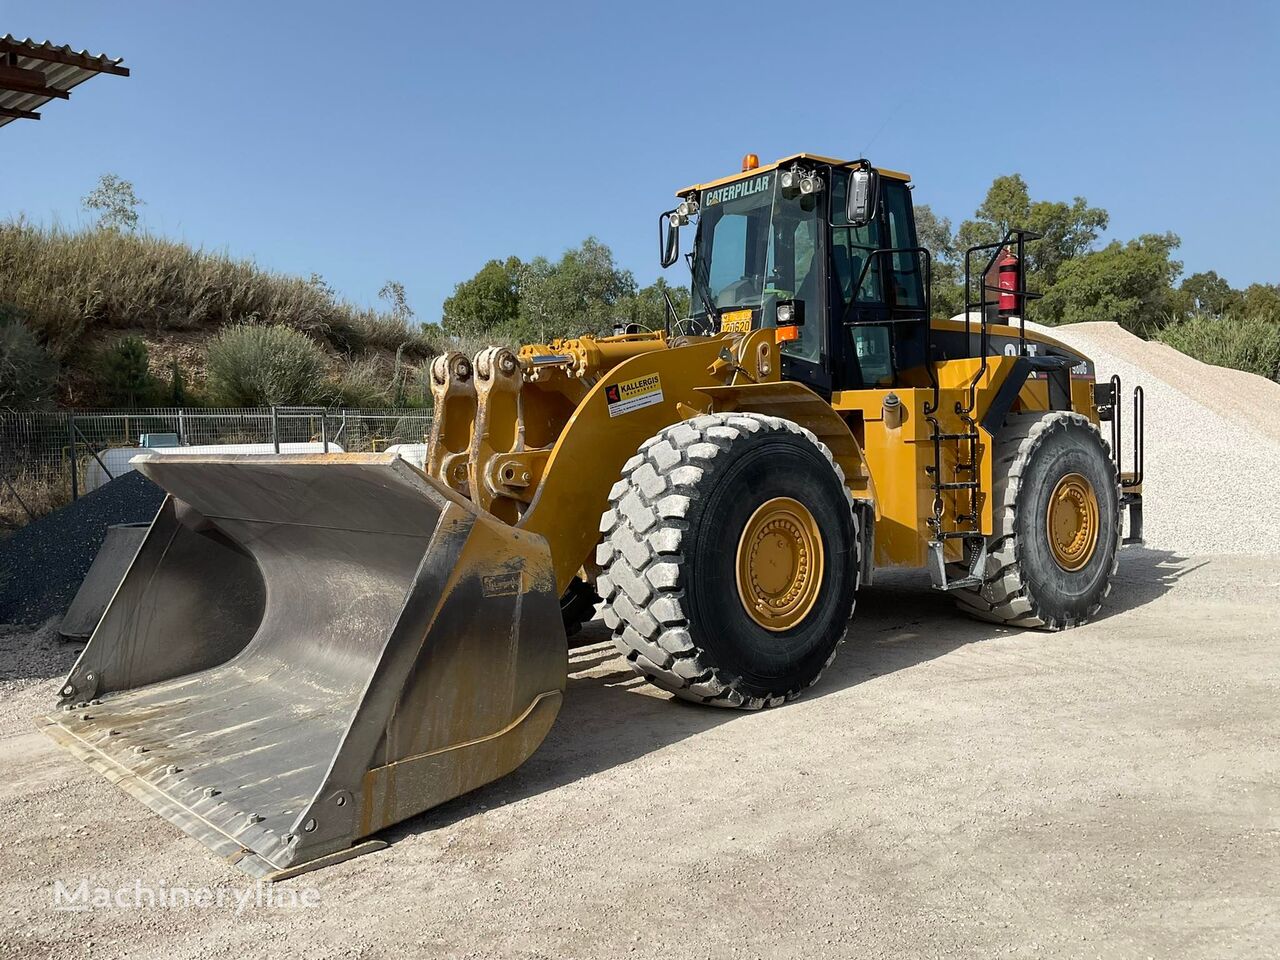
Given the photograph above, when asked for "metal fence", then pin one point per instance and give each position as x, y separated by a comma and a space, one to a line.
49, 459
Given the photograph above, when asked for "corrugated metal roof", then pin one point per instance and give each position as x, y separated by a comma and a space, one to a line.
32, 74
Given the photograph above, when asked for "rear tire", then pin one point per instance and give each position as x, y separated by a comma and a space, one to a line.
577, 606
1030, 581
672, 556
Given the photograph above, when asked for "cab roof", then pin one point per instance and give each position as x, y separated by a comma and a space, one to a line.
816, 158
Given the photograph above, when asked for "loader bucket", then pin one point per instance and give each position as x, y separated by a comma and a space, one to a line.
307, 649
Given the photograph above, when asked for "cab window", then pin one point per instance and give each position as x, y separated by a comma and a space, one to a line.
729, 264
793, 255
850, 248
906, 280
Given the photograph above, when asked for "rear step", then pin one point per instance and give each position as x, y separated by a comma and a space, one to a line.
977, 550
308, 649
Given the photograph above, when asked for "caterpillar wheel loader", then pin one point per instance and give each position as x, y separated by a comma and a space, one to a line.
308, 649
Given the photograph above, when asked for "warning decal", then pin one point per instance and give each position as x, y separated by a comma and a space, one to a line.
632, 395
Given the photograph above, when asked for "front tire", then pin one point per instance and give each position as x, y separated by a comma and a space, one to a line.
1057, 527
730, 559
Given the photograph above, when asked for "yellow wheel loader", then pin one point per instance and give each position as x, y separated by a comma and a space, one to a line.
308, 649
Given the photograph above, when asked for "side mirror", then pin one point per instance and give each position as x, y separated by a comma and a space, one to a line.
668, 238
862, 195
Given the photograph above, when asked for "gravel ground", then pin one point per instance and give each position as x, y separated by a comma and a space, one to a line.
42, 564
1212, 480
950, 789
30, 660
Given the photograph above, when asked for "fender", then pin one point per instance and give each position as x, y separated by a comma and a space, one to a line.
600, 437
797, 403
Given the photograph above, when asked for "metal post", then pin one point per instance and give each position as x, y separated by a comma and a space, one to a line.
71, 450
275, 429
17, 496
324, 429
182, 427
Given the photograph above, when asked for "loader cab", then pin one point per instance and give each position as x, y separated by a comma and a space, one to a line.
781, 235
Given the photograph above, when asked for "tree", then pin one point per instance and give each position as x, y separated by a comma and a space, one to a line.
934, 233
1068, 229
489, 300
393, 292
580, 293
115, 202
1263, 299
1206, 292
648, 307
126, 374
535, 301
1128, 283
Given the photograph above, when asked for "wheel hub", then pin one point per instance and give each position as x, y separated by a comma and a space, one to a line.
780, 564
1072, 522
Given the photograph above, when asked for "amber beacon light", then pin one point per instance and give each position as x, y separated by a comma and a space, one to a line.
750, 162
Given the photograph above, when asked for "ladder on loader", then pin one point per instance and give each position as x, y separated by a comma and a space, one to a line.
965, 485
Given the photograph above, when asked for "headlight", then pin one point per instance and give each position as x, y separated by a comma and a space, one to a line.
687, 208
810, 183
786, 312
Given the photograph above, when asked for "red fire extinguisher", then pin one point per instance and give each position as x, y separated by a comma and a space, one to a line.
1008, 282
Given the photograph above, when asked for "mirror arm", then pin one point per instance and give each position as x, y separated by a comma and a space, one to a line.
664, 232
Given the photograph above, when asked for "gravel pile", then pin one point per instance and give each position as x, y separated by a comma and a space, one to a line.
33, 662
1212, 483
42, 564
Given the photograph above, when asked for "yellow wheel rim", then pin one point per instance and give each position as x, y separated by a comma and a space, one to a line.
780, 564
1072, 522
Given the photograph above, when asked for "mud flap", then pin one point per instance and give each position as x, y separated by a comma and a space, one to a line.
307, 649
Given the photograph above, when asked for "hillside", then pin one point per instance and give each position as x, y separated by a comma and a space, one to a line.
82, 292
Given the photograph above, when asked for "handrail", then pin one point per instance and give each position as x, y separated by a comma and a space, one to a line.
1016, 236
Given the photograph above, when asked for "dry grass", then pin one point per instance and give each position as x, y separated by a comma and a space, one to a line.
66, 283
32, 494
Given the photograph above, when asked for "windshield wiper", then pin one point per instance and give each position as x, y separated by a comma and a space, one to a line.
701, 288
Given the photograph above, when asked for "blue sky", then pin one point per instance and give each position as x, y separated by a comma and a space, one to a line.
377, 140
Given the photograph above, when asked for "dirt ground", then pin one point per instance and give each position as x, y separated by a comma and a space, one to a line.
949, 789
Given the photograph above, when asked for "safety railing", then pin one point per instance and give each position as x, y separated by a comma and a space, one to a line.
48, 459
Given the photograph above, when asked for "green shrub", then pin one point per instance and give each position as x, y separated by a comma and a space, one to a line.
177, 385
257, 365
124, 374
1245, 342
28, 375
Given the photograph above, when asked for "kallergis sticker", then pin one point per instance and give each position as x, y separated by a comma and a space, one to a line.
634, 394
502, 584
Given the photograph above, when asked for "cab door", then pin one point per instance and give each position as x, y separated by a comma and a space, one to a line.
797, 254
879, 327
